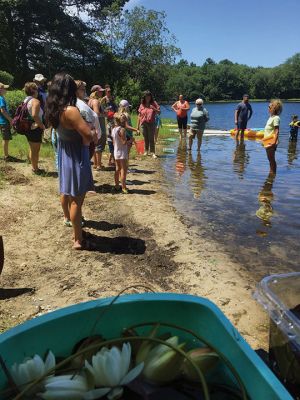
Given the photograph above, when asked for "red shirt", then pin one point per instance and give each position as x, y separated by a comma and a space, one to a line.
181, 113
147, 114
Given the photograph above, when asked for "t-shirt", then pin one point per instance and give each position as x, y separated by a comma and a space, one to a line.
244, 112
199, 117
271, 124
147, 114
179, 109
3, 104
294, 127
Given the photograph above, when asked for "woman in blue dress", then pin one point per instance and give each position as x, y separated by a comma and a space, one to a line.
74, 137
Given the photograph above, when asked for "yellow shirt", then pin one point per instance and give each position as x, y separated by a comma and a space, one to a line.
271, 124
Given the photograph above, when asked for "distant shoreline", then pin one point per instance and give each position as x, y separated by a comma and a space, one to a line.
236, 101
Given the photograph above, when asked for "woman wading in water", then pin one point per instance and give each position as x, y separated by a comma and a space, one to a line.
74, 138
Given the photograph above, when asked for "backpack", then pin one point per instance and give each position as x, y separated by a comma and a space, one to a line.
22, 120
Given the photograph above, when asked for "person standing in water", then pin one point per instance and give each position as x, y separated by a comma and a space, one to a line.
242, 115
199, 117
181, 108
271, 133
294, 126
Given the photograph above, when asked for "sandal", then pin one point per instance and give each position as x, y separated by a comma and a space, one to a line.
85, 245
67, 223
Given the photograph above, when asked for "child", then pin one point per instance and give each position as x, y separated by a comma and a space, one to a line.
121, 144
295, 125
124, 110
272, 129
5, 122
158, 124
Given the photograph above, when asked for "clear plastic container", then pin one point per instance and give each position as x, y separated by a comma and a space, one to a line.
280, 297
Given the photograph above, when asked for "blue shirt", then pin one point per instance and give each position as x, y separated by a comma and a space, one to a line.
3, 104
244, 112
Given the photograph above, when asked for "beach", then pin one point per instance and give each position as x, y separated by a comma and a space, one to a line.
141, 240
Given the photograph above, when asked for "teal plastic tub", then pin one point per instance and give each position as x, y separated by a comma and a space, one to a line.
61, 329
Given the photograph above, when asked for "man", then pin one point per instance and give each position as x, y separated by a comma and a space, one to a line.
242, 115
181, 108
40, 80
5, 122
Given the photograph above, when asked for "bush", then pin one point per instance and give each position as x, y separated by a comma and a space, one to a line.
6, 78
14, 98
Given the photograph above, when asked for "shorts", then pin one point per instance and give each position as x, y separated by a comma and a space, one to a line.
182, 122
111, 147
35, 135
193, 132
158, 122
242, 125
5, 132
101, 143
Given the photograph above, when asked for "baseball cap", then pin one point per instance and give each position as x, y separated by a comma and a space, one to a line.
124, 103
39, 78
199, 101
97, 88
245, 95
2, 86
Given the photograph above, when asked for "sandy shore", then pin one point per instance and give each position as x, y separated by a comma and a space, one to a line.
141, 240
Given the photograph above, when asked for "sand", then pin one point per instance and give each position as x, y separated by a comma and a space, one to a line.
141, 239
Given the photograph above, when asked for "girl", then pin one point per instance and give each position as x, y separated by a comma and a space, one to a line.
271, 133
74, 137
147, 111
124, 110
120, 151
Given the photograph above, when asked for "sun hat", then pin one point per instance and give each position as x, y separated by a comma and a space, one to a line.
2, 86
39, 78
124, 103
97, 88
199, 101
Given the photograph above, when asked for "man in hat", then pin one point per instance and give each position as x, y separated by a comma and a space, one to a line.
40, 80
5, 122
242, 115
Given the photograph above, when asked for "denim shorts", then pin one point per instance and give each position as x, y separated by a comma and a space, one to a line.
111, 147
101, 144
5, 132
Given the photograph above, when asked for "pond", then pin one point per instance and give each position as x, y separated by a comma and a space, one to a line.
227, 193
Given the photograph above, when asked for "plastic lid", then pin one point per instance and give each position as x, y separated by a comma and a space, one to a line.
279, 294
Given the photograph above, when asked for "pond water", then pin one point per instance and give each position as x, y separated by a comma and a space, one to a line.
226, 193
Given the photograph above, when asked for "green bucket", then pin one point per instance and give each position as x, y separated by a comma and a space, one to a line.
60, 330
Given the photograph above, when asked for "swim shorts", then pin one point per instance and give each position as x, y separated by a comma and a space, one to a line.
182, 122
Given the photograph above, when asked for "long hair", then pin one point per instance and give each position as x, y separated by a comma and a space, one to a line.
62, 93
145, 94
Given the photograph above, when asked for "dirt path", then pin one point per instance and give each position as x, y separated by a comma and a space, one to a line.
141, 240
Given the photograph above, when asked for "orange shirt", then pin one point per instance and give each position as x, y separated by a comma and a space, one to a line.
179, 109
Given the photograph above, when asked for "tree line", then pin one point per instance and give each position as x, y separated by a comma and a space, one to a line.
100, 42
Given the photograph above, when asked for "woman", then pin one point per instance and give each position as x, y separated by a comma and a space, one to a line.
35, 135
199, 117
95, 104
271, 133
74, 137
181, 108
146, 119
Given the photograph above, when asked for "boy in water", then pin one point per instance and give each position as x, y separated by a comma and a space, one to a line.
294, 126
5, 122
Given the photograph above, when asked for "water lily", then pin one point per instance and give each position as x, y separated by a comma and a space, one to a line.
205, 359
110, 369
64, 387
162, 363
30, 370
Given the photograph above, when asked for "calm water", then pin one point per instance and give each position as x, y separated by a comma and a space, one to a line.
226, 192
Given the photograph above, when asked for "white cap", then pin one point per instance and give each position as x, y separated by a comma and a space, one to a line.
124, 103
199, 101
39, 78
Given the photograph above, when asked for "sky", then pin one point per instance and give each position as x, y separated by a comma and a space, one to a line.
252, 32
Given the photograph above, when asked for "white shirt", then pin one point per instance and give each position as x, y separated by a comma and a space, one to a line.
89, 116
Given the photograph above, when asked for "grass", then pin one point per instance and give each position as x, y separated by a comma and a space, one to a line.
18, 146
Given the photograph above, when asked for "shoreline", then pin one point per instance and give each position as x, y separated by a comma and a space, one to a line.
142, 239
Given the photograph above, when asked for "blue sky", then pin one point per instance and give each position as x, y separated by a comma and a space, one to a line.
253, 32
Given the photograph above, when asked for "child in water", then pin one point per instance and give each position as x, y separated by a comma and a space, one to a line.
294, 126
121, 145
272, 129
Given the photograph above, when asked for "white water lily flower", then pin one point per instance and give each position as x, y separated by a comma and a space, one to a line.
110, 370
65, 387
30, 370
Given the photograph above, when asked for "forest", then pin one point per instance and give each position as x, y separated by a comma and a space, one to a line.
132, 50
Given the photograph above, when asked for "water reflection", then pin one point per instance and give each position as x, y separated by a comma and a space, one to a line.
240, 158
292, 152
197, 177
181, 157
265, 199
